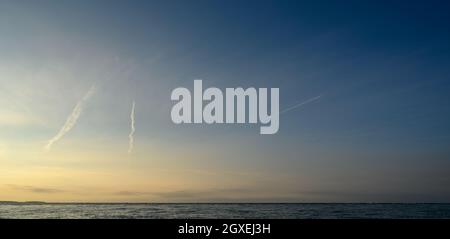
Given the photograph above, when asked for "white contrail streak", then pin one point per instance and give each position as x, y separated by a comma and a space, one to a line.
133, 129
72, 119
301, 104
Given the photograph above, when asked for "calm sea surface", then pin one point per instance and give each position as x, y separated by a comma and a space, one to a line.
33, 210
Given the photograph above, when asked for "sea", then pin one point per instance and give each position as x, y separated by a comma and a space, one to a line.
37, 210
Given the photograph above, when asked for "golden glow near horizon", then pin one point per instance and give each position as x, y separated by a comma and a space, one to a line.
156, 175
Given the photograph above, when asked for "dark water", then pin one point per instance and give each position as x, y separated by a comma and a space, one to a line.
37, 210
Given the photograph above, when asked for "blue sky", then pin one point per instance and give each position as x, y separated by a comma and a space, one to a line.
379, 132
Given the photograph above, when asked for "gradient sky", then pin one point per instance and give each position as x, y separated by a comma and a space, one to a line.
380, 131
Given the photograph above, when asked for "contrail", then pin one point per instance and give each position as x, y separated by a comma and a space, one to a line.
301, 104
133, 129
72, 119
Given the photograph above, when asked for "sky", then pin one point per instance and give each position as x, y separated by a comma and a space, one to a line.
74, 73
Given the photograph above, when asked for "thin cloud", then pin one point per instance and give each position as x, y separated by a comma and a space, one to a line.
301, 104
133, 129
189, 194
36, 189
72, 119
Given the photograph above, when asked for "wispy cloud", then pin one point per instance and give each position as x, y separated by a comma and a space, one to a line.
183, 194
35, 189
301, 104
133, 129
72, 119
